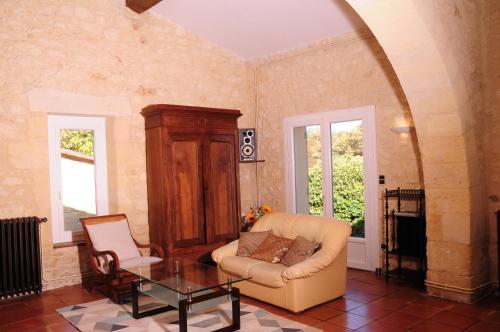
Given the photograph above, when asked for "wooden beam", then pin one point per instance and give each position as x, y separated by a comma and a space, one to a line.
140, 6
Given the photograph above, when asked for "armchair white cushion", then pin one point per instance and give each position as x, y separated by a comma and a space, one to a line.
320, 278
114, 236
131, 262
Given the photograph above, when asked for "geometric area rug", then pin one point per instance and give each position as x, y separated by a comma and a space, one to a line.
105, 315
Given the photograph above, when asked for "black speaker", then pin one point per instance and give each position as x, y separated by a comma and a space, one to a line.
248, 144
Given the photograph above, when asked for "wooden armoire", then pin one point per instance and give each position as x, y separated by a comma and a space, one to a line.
193, 178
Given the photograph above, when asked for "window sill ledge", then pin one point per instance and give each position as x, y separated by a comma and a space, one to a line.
69, 244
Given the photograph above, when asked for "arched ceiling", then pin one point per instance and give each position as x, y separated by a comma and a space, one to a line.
258, 28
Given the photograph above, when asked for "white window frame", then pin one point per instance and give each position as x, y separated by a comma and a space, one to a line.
367, 115
55, 124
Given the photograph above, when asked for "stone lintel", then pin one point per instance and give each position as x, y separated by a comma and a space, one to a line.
55, 101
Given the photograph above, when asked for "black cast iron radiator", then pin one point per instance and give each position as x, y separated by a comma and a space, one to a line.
20, 263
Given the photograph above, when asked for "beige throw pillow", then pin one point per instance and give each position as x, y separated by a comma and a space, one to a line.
249, 242
272, 249
300, 250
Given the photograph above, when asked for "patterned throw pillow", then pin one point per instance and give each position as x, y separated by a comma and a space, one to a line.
249, 241
300, 250
272, 249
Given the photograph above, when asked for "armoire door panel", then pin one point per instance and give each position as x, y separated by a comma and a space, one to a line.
220, 190
187, 191
157, 206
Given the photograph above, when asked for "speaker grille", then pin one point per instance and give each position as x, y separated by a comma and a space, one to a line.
248, 144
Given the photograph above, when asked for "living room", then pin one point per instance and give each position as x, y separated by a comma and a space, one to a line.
429, 67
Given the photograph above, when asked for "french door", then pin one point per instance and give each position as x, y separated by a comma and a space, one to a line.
332, 171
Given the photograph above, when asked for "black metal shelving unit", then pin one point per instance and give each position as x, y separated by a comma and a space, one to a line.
405, 232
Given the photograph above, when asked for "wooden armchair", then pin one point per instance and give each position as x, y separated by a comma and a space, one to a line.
112, 247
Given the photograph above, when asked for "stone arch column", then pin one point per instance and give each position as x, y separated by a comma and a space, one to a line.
447, 147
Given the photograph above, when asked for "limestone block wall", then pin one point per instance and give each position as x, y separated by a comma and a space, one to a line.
97, 57
456, 28
491, 138
343, 72
435, 49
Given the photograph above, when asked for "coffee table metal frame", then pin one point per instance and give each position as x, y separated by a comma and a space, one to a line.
184, 305
190, 297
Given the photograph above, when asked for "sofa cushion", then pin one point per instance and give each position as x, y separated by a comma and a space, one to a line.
249, 242
268, 274
272, 249
300, 250
238, 265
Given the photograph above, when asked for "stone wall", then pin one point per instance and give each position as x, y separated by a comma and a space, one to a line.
435, 48
456, 28
491, 72
97, 57
343, 72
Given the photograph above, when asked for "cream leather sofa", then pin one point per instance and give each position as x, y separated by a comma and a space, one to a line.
318, 279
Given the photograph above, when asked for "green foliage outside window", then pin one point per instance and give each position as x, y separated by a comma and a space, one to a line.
315, 194
348, 142
348, 192
348, 187
78, 140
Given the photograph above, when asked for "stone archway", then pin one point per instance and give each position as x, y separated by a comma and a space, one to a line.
448, 143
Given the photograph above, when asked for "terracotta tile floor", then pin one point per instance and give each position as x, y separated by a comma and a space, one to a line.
370, 304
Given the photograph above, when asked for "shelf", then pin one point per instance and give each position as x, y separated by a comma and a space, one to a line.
415, 215
396, 252
417, 276
405, 193
410, 234
251, 161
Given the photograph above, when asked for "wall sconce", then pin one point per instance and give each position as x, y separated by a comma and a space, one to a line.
401, 130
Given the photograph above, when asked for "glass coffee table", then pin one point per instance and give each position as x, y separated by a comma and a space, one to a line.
185, 285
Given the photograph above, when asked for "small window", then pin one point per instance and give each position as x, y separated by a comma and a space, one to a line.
78, 173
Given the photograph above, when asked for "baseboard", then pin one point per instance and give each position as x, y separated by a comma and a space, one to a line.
459, 294
65, 281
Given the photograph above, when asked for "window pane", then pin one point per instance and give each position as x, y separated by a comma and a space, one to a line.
77, 176
348, 174
308, 172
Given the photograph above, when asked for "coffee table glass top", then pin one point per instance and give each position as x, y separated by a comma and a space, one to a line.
183, 276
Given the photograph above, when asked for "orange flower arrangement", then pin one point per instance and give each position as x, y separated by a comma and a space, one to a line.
251, 217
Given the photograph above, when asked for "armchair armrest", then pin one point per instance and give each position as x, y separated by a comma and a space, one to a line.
114, 265
154, 246
229, 249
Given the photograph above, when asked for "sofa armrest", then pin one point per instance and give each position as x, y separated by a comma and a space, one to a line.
306, 268
315, 263
229, 249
